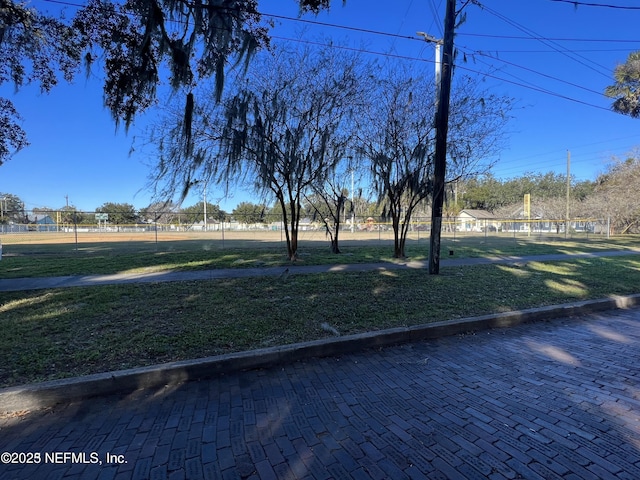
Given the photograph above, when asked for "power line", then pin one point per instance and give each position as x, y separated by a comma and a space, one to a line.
546, 41
519, 83
581, 158
551, 77
540, 38
405, 37
403, 57
402, 22
436, 16
333, 25
602, 5
537, 89
591, 50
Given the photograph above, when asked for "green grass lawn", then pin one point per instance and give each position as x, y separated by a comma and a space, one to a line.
40, 260
60, 333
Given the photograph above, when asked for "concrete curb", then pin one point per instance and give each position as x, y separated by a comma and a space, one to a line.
158, 377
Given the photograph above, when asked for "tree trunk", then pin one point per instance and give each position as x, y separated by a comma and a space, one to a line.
398, 250
334, 245
290, 232
295, 224
293, 247
336, 224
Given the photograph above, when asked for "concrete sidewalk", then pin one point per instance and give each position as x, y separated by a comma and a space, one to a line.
37, 283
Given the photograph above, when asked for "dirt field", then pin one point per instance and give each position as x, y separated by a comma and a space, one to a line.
88, 241
240, 239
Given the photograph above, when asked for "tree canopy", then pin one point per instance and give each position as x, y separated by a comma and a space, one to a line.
488, 193
135, 41
281, 132
626, 90
195, 213
119, 213
11, 208
247, 212
34, 48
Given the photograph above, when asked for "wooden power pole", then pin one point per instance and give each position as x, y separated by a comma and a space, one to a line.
442, 126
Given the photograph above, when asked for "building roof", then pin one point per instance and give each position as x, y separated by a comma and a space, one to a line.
41, 219
478, 214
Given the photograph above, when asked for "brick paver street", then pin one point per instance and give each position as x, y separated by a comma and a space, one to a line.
549, 400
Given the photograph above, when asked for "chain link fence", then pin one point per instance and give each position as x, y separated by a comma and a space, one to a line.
92, 227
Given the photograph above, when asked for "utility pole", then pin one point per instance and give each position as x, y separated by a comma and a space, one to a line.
442, 126
566, 224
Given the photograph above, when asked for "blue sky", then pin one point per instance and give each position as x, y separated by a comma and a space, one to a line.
552, 58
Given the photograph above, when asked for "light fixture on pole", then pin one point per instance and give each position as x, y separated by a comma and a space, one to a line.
438, 42
204, 196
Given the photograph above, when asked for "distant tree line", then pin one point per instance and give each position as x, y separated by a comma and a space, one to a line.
610, 196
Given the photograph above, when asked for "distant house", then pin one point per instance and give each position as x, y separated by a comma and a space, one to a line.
477, 221
212, 226
305, 224
44, 223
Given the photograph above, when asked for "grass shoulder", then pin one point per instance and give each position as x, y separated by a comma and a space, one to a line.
61, 333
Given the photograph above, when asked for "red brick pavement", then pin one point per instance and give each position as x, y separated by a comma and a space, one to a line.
550, 400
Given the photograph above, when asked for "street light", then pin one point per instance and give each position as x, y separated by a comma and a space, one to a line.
438, 43
204, 195
204, 198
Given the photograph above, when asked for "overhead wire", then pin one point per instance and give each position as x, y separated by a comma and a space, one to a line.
404, 37
577, 157
531, 70
540, 38
519, 82
485, 74
402, 23
435, 11
580, 58
601, 5
591, 50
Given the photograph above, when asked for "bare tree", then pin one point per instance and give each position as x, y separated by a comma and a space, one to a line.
282, 130
287, 129
398, 138
330, 201
553, 209
614, 195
